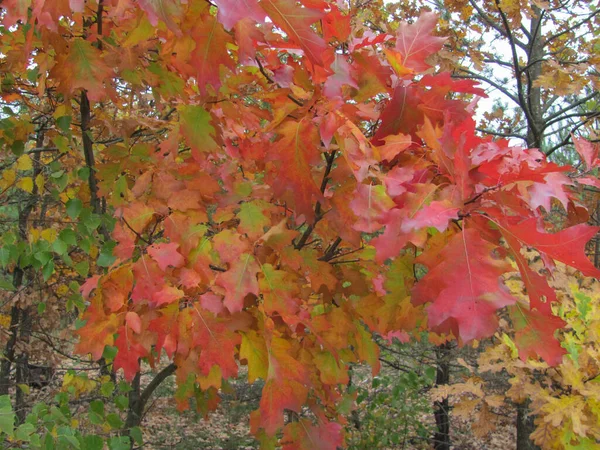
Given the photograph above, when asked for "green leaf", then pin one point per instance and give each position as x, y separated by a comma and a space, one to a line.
106, 257
96, 412
82, 268
24, 432
64, 123
74, 207
60, 247
119, 443
43, 257
4, 256
6, 284
48, 270
84, 173
114, 421
92, 442
90, 220
196, 128
67, 235
122, 402
41, 307
136, 434
124, 387
109, 353
7, 416
107, 388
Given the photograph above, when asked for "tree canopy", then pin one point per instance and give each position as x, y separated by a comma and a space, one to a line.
268, 183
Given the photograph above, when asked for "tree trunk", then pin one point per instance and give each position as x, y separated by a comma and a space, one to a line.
9, 350
139, 398
22, 363
525, 426
441, 438
535, 126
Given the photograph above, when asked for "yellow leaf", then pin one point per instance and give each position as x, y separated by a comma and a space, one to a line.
61, 111
25, 388
62, 289
9, 176
4, 321
26, 184
39, 182
514, 353
49, 234
24, 163
34, 234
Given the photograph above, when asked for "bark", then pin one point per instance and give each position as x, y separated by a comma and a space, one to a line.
138, 398
535, 53
9, 350
441, 438
525, 426
22, 363
17, 314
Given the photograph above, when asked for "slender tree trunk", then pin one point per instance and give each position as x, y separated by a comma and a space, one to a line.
22, 363
525, 426
138, 398
17, 314
535, 131
441, 438
354, 417
9, 350
135, 410
597, 241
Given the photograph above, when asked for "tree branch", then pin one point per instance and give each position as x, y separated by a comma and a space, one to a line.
156, 381
571, 28
474, 76
522, 102
318, 213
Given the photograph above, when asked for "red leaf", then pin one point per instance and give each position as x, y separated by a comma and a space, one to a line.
371, 205
437, 214
133, 321
415, 42
285, 387
129, 354
587, 151
401, 115
337, 25
534, 335
116, 287
81, 67
230, 12
98, 331
166, 255
465, 288
89, 285
303, 435
167, 295
541, 295
341, 76
210, 52
239, 281
164, 10
296, 22
296, 151
567, 246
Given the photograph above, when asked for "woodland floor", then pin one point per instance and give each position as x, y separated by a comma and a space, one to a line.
227, 428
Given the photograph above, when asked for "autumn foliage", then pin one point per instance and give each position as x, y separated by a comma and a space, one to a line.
285, 182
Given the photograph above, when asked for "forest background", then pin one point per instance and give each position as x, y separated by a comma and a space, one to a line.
294, 201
